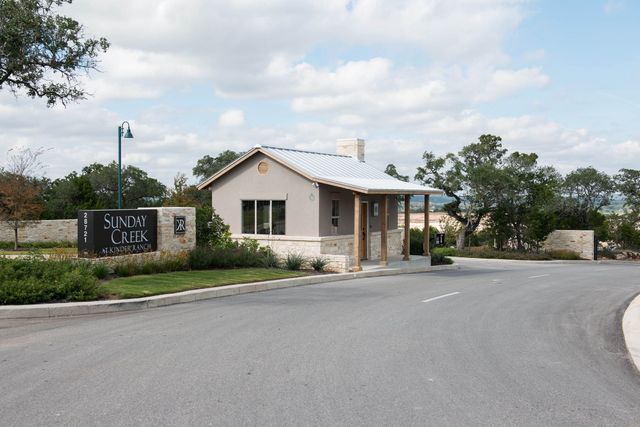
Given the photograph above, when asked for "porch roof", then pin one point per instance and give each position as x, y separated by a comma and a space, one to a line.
331, 169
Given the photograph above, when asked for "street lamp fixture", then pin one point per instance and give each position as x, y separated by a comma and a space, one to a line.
121, 134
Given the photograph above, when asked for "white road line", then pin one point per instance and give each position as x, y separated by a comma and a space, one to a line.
441, 296
535, 277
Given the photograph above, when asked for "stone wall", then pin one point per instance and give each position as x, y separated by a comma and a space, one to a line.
167, 240
338, 250
579, 241
55, 230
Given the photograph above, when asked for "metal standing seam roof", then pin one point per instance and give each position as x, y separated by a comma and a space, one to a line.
338, 170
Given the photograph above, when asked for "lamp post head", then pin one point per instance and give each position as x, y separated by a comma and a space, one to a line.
128, 133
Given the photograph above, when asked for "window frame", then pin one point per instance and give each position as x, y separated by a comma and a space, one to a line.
255, 216
335, 228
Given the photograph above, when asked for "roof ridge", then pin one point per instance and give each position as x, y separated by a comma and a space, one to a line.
305, 151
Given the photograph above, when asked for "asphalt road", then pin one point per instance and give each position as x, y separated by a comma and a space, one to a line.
518, 344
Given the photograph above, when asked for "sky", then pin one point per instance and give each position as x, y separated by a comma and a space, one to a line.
196, 77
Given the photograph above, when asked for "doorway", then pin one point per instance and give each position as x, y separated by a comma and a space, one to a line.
364, 230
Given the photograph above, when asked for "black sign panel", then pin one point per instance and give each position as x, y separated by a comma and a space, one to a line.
179, 224
117, 232
440, 239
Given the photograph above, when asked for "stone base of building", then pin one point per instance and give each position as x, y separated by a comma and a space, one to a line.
337, 250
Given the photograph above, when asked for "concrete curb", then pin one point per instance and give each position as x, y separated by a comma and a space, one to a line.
631, 330
97, 307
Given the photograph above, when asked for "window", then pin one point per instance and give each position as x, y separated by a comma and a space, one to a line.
249, 216
263, 217
277, 216
335, 216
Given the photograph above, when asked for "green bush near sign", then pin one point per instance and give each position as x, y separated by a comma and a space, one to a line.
34, 280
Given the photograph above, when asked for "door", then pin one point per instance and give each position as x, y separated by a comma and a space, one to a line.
364, 228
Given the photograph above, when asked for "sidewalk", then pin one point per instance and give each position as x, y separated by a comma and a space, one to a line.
396, 266
631, 330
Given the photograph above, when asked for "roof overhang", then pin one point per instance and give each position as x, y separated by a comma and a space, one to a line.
355, 188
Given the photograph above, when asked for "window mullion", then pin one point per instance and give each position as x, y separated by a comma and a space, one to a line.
270, 217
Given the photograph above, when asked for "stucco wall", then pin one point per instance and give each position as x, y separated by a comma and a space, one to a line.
55, 230
580, 241
280, 183
345, 224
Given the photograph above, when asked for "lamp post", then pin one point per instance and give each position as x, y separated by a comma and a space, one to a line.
128, 134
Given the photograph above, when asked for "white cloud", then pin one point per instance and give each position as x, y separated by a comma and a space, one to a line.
231, 118
252, 51
613, 6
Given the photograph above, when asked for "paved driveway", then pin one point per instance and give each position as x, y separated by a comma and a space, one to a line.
496, 343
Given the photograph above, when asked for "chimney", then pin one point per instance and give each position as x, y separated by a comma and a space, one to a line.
353, 147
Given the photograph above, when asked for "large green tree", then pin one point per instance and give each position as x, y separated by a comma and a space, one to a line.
470, 178
525, 197
585, 191
64, 197
42, 53
628, 184
207, 166
138, 188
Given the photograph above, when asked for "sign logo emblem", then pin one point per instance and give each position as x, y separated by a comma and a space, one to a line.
179, 225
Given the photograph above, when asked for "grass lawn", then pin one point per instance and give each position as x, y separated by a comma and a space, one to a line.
46, 251
148, 285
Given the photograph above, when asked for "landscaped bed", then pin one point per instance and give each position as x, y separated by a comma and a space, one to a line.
37, 278
490, 253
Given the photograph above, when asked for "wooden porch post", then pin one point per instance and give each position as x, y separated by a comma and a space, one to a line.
383, 230
407, 226
356, 233
425, 231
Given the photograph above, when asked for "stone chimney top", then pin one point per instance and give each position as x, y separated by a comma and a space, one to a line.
353, 147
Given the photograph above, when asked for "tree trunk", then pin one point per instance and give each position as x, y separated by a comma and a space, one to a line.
15, 237
460, 239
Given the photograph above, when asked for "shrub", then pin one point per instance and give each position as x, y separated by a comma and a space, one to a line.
39, 245
319, 263
440, 259
37, 280
563, 255
100, 270
150, 264
200, 258
294, 261
486, 252
443, 251
416, 240
270, 259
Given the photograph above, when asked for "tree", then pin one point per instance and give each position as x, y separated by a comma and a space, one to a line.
208, 166
64, 197
392, 171
19, 192
628, 184
584, 192
523, 215
42, 52
469, 178
210, 229
138, 188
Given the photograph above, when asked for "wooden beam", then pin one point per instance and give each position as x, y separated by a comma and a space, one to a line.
407, 226
356, 233
425, 231
383, 230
